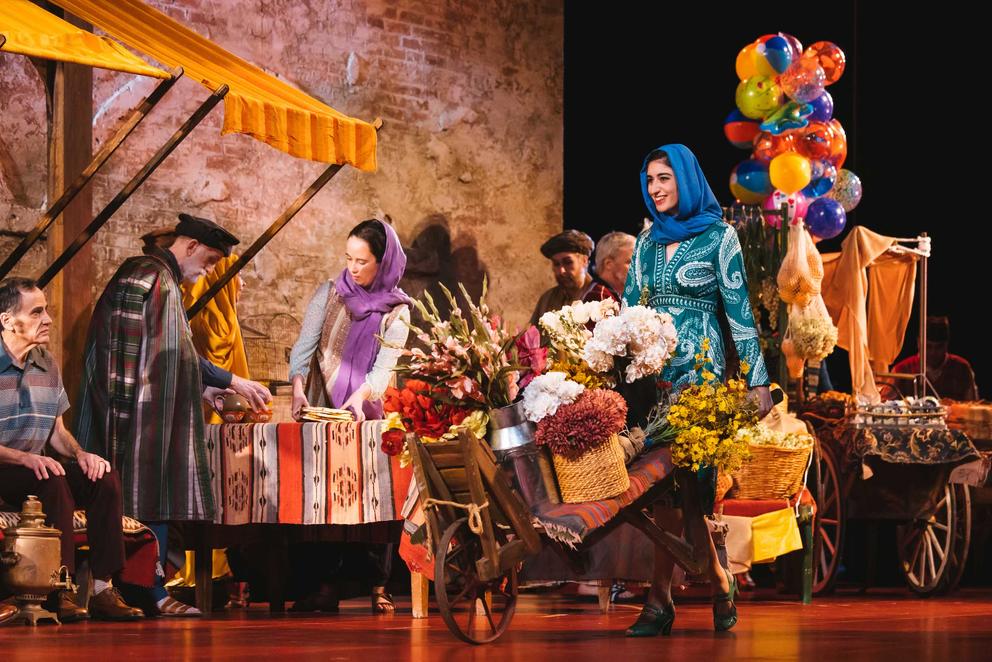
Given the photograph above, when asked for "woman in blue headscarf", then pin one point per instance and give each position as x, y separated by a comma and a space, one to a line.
688, 264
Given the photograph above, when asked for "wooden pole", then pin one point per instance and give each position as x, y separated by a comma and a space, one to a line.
136, 181
265, 238
88, 172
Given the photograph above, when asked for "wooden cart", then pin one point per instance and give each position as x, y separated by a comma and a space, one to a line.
481, 530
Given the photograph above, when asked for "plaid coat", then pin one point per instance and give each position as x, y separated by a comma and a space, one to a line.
141, 394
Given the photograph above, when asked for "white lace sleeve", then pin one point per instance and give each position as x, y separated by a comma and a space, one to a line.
396, 334
309, 338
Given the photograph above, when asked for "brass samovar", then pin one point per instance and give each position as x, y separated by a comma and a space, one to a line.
31, 563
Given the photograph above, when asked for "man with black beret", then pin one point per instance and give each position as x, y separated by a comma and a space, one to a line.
569, 253
143, 382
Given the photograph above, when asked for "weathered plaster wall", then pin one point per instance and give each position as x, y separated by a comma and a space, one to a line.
470, 155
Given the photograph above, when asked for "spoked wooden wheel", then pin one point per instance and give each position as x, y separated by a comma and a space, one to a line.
828, 531
933, 551
474, 610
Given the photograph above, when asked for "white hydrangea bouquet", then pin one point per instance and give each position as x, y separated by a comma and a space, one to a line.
546, 393
641, 335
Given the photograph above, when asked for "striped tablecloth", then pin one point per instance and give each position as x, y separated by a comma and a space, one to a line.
304, 473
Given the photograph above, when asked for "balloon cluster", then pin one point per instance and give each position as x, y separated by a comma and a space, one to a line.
785, 117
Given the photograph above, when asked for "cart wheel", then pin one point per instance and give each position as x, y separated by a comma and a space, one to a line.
962, 540
933, 552
474, 610
828, 524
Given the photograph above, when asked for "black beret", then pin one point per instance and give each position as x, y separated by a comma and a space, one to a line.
206, 232
569, 241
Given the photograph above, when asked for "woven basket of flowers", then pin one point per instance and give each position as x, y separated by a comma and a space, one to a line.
585, 448
777, 466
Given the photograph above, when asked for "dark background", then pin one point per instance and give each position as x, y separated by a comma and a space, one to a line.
639, 75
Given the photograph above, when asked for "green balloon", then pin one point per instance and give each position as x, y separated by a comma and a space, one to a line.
758, 96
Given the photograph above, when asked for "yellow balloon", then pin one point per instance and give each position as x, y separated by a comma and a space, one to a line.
745, 62
789, 172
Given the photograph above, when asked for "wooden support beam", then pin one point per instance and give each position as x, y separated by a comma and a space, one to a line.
69, 98
265, 238
87, 173
153, 163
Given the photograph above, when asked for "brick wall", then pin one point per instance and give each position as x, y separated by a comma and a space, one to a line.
470, 155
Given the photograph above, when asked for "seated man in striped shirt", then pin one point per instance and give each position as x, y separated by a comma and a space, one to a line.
32, 401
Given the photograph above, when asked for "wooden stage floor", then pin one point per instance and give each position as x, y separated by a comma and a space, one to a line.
886, 625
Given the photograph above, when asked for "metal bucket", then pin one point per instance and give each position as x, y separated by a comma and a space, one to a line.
530, 472
527, 466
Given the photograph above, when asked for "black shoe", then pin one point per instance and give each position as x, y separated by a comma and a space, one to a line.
723, 622
652, 621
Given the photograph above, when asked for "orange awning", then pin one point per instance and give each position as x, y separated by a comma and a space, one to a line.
258, 104
30, 30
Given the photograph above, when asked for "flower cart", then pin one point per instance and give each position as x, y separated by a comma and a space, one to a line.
487, 504
482, 529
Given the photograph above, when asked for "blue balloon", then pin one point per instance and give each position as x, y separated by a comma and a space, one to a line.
778, 53
825, 218
753, 175
823, 108
822, 179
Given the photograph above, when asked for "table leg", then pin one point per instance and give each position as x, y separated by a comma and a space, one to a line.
203, 564
278, 561
420, 588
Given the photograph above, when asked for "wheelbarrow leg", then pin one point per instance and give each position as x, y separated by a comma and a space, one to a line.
689, 559
603, 594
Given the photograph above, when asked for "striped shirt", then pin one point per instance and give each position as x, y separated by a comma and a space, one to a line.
31, 398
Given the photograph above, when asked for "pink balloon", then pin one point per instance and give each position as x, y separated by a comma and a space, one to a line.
797, 207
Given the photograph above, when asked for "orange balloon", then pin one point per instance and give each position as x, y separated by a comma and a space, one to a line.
745, 65
816, 141
838, 146
768, 146
829, 57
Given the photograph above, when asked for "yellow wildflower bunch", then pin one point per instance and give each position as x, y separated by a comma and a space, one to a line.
580, 373
706, 418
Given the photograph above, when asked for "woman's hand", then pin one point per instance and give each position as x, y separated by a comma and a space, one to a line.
764, 397
356, 401
299, 399
299, 402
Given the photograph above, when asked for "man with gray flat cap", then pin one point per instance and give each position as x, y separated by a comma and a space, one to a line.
569, 253
143, 382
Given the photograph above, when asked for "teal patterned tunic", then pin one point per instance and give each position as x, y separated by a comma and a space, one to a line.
704, 270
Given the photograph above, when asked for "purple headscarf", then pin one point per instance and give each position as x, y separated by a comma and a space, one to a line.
366, 307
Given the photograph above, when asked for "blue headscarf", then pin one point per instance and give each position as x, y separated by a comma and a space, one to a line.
698, 207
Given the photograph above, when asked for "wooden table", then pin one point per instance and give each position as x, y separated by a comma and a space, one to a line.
330, 478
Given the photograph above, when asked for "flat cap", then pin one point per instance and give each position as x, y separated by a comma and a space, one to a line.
569, 241
206, 232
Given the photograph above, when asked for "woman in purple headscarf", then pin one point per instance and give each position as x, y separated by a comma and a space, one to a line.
338, 360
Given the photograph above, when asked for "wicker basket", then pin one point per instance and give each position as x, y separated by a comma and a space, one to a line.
598, 473
772, 473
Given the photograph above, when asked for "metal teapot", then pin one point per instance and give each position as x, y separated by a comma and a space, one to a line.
31, 562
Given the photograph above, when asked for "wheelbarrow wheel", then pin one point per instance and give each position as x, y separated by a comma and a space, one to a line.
476, 611
828, 524
933, 551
